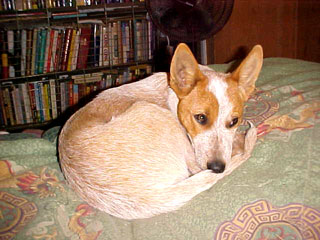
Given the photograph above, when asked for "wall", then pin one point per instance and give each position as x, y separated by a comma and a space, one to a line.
285, 28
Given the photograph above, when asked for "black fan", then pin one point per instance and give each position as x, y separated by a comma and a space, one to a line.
189, 20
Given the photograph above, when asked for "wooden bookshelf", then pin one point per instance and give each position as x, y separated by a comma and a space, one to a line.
54, 58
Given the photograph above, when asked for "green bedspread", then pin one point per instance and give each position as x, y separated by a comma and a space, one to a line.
273, 195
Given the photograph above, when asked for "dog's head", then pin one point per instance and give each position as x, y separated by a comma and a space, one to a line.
211, 104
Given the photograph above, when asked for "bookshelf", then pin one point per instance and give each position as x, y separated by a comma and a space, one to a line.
57, 54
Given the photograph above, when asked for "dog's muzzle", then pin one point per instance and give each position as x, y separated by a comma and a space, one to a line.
217, 166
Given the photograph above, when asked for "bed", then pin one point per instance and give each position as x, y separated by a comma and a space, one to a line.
273, 195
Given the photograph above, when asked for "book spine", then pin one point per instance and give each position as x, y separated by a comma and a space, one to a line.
63, 96
53, 95
32, 97
46, 53
144, 40
96, 45
2, 109
70, 93
75, 94
101, 45
71, 51
75, 50
46, 101
38, 51
54, 50
115, 56
150, 40
17, 53
9, 106
39, 103
105, 46
58, 51
22, 104
41, 58
26, 100
34, 51
23, 52
50, 51
131, 39
5, 65
66, 49
58, 97
110, 37
84, 47
29, 51
11, 57
5, 106
119, 33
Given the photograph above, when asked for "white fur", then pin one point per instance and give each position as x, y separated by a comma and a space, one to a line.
127, 154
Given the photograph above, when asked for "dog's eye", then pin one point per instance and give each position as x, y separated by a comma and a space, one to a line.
201, 118
233, 122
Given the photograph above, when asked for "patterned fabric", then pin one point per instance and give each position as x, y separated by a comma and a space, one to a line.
274, 195
260, 220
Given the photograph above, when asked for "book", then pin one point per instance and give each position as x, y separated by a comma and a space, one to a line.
26, 101
23, 52
70, 93
29, 51
2, 109
50, 49
34, 51
39, 101
47, 49
46, 101
5, 65
8, 106
32, 98
84, 47
16, 99
10, 51
115, 47
119, 36
105, 46
63, 96
71, 51
75, 50
17, 53
138, 40
42, 50
75, 94
53, 98
66, 49
96, 44
52, 55
58, 51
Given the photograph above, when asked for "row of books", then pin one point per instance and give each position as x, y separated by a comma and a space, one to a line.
46, 99
6, 5
43, 50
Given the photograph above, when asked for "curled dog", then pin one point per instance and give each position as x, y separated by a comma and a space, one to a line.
148, 147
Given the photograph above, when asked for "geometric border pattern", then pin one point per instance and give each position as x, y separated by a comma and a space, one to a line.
23, 212
250, 218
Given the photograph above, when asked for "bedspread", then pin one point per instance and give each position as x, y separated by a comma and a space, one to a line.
273, 195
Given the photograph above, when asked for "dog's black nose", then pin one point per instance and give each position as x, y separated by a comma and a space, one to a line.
217, 166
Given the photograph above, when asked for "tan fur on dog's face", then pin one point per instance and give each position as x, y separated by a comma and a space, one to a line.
211, 104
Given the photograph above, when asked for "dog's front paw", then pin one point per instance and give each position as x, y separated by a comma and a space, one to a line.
250, 139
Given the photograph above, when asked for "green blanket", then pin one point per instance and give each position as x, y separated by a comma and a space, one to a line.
273, 195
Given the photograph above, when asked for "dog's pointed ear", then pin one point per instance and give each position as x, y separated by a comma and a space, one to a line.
184, 71
248, 71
